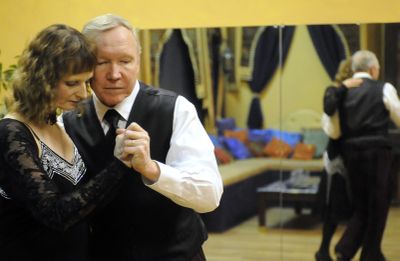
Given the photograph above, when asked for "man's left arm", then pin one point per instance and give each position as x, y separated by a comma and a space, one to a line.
190, 176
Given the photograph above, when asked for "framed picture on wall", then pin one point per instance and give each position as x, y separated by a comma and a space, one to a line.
244, 40
197, 42
156, 37
229, 59
156, 40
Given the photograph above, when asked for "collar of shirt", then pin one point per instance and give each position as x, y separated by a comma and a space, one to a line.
362, 75
123, 108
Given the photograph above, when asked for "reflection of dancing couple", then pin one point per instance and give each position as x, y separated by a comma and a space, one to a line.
357, 119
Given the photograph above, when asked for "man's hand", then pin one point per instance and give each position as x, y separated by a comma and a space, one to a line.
136, 150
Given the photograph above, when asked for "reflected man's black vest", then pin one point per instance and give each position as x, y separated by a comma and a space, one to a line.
363, 114
139, 223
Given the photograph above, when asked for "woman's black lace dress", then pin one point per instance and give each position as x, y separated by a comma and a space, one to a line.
44, 200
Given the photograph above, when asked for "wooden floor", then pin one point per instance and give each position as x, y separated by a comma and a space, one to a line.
296, 238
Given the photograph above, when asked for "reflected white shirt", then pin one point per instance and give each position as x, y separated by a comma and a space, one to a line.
190, 177
331, 125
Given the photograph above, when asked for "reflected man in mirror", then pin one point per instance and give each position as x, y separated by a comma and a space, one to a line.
364, 117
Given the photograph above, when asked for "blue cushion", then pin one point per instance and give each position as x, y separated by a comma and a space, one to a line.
225, 124
266, 135
217, 141
237, 148
291, 138
260, 135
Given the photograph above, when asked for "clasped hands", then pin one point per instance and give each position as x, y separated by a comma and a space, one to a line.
132, 147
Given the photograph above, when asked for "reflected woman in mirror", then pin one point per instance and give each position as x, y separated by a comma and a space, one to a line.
44, 191
334, 189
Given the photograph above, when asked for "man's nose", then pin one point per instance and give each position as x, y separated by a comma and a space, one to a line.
114, 72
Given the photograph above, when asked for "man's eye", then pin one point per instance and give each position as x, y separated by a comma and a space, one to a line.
101, 62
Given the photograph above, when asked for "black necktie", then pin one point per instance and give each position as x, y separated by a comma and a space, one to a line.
112, 117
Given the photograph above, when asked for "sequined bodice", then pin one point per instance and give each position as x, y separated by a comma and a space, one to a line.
53, 164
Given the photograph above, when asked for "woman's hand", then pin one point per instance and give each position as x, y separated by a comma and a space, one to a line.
119, 148
352, 82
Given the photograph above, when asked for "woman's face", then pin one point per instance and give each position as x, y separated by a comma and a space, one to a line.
71, 89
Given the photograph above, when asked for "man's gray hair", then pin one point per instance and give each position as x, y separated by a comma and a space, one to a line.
107, 22
363, 60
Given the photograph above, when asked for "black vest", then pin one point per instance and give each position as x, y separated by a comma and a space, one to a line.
139, 223
363, 114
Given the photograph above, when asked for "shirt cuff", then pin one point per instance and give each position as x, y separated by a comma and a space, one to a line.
165, 178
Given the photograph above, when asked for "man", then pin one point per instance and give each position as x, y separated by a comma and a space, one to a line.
365, 114
174, 172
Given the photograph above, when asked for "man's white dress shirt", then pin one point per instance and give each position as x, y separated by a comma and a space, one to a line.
190, 176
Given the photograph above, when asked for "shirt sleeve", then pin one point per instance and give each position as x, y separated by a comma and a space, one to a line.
26, 182
190, 176
331, 125
392, 103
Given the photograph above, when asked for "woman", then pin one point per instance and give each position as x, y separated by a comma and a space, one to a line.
44, 190
334, 185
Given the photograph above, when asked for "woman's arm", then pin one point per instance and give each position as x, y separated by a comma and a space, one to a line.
28, 184
332, 98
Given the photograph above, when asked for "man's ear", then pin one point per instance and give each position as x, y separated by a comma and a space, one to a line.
374, 72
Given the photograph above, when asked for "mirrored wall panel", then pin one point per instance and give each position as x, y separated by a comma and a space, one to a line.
259, 92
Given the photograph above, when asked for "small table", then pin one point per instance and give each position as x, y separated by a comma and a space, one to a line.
280, 190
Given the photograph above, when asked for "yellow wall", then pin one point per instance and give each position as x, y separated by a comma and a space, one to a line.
21, 19
304, 77
303, 82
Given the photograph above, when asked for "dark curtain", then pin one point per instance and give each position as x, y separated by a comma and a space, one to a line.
215, 46
266, 61
176, 70
329, 46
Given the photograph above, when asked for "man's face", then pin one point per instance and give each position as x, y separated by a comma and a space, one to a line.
118, 63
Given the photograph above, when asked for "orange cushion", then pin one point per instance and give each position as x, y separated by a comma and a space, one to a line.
277, 148
304, 151
256, 148
223, 157
241, 135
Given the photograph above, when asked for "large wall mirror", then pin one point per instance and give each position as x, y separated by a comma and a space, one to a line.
264, 87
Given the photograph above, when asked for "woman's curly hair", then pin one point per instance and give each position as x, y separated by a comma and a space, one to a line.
57, 51
344, 71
